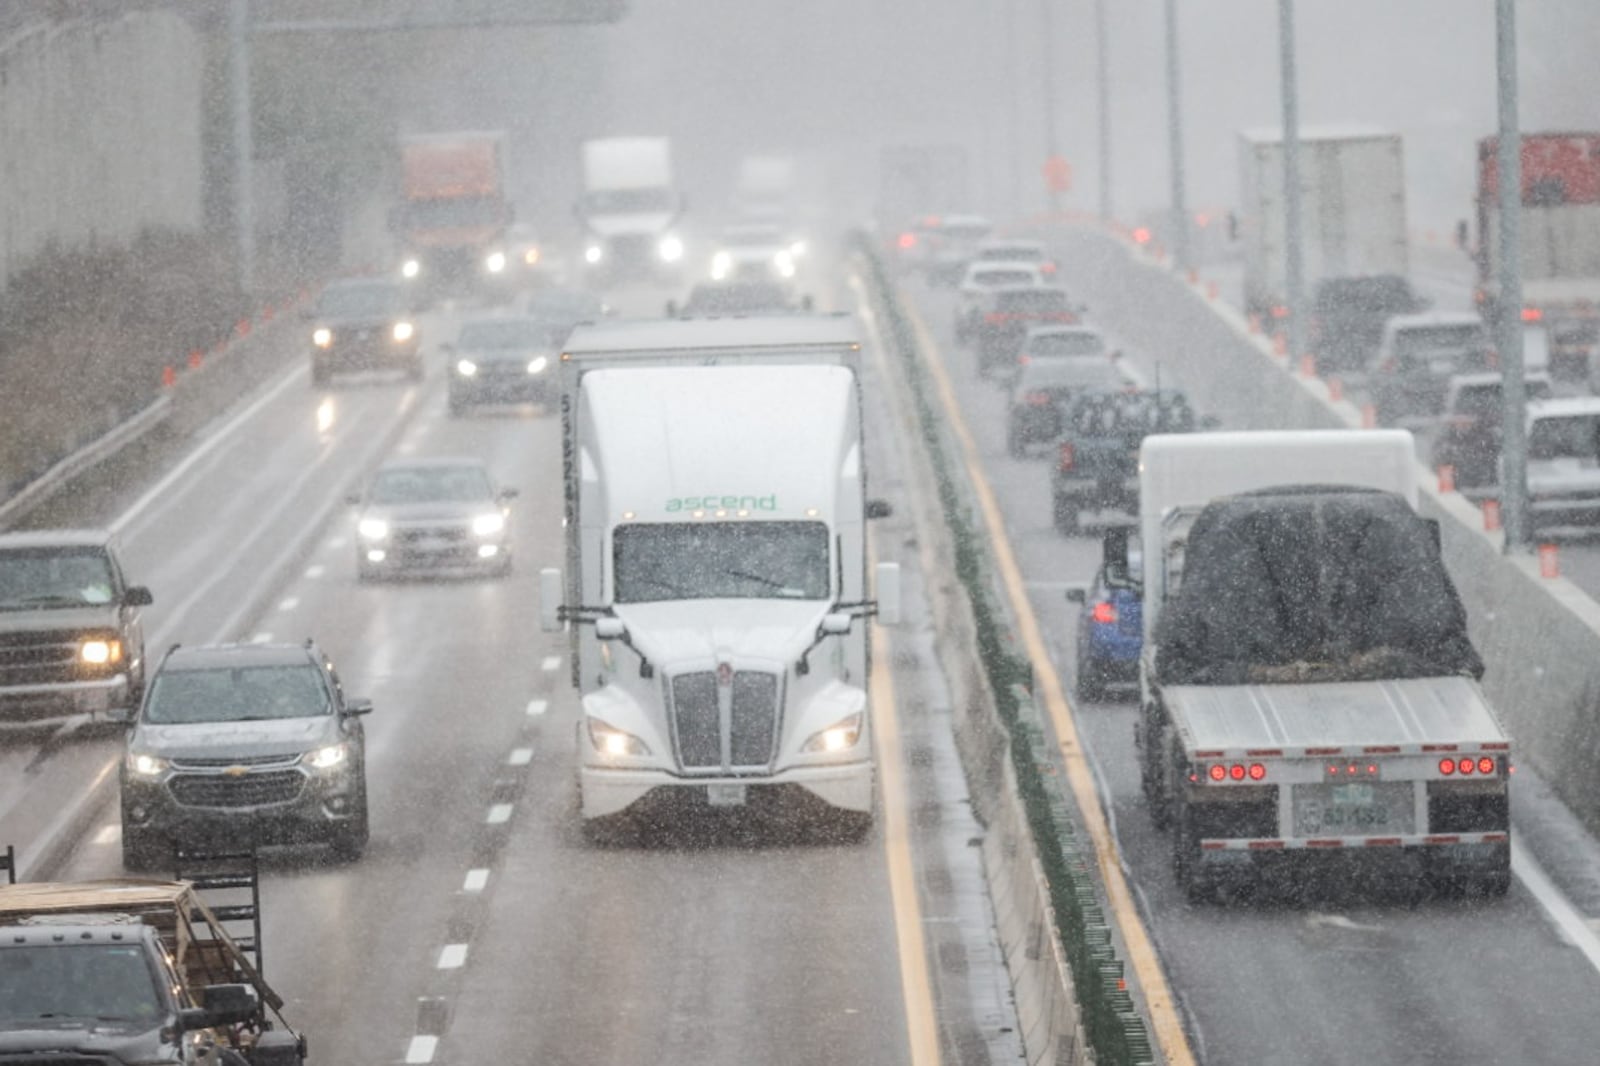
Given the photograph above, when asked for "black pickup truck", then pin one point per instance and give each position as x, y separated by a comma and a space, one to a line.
71, 635
1097, 453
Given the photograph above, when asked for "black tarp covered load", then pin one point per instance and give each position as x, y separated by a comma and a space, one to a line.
1312, 583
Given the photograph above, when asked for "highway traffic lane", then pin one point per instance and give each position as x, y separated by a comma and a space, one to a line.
1470, 996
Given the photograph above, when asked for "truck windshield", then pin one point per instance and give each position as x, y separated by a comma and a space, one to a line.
431, 484
721, 560
103, 982
54, 577
509, 333
457, 211
350, 300
237, 694
629, 201
1570, 437
1079, 343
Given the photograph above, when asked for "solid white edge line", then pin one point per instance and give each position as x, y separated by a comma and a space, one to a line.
421, 1050
538, 707
205, 448
477, 880
551, 662
1572, 926
452, 956
520, 757
499, 814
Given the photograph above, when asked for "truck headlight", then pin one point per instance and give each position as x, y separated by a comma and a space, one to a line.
721, 263
322, 337
410, 268
797, 249
100, 652
496, 262
486, 525
466, 368
373, 528
609, 740
404, 331
840, 736
146, 765
326, 758
593, 254
784, 262
537, 364
531, 257
671, 248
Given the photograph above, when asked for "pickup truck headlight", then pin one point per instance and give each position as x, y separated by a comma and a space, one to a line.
593, 254
326, 758
466, 368
404, 331
100, 652
496, 262
486, 525
609, 740
670, 248
373, 528
322, 336
410, 268
840, 736
146, 765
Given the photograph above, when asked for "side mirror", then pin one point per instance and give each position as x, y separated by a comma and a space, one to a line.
550, 597
835, 623
879, 509
355, 708
672, 308
137, 596
610, 628
887, 589
1077, 594
227, 1005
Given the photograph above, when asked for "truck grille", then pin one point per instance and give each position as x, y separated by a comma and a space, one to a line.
246, 790
410, 536
41, 658
752, 707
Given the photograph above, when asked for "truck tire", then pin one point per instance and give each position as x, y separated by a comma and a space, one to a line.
1193, 882
349, 838
1066, 516
1148, 741
848, 827
1091, 686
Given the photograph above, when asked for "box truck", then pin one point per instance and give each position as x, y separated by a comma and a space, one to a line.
630, 208
453, 215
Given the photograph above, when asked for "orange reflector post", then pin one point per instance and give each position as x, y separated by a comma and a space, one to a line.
1336, 390
1447, 478
1491, 515
1308, 366
1369, 416
169, 376
1549, 564
195, 356
1255, 322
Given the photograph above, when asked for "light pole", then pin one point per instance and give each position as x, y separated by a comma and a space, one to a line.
1293, 250
1180, 211
1508, 324
1103, 48
244, 215
1047, 43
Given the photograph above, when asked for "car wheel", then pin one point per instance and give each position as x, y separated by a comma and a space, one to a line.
349, 838
1193, 881
143, 849
1091, 681
848, 827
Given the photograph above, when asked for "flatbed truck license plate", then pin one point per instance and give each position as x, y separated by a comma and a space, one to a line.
1354, 808
726, 795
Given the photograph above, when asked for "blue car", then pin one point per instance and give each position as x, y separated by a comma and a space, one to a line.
1110, 631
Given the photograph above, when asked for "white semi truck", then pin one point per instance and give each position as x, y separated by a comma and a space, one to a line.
716, 566
630, 206
1309, 696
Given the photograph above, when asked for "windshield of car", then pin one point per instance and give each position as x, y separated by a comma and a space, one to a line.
752, 237
459, 211
1034, 301
1565, 437
741, 298
964, 231
1013, 252
721, 560
629, 201
512, 333
352, 300
994, 278
55, 577
431, 484
237, 694
1054, 344
1076, 372
563, 303
101, 982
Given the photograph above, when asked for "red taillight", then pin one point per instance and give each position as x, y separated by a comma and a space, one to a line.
908, 240
1105, 613
1466, 766
1280, 311
1485, 765
1532, 314
1447, 767
1257, 771
1141, 235
1047, 268
1236, 771
994, 318
1218, 772
1066, 457
1024, 359
1037, 399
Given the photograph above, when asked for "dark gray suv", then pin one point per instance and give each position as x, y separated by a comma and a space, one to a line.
253, 741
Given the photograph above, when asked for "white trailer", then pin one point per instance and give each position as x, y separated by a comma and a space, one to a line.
1351, 751
1353, 208
716, 578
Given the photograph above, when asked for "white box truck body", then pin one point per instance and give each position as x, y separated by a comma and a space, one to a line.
630, 206
1308, 691
1353, 209
716, 578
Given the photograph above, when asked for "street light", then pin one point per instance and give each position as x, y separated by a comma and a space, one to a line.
1508, 318
1180, 212
1294, 253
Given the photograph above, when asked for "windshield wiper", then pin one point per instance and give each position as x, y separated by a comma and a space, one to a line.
760, 580
659, 583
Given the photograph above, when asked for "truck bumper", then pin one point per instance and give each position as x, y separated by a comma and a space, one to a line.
605, 792
34, 702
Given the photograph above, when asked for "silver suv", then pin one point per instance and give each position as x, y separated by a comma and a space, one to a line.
244, 740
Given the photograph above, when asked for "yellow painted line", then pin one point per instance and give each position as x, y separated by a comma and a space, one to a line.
922, 1023
1164, 1019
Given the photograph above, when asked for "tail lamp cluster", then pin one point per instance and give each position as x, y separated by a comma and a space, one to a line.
1221, 771
1466, 766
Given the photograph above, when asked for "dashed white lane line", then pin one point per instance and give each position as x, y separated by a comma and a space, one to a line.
337, 542
477, 880
499, 814
109, 834
261, 638
453, 957
551, 662
520, 757
421, 1049
289, 603
538, 707
315, 570
1562, 913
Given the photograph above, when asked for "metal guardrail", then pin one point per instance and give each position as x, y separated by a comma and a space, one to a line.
84, 459
1116, 1032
